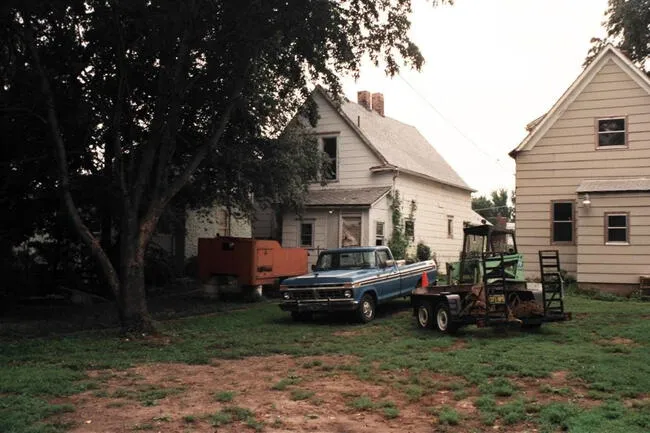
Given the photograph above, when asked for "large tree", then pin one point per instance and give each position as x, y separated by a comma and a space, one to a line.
143, 98
628, 27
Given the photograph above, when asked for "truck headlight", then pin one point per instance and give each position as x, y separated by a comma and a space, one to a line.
347, 293
286, 295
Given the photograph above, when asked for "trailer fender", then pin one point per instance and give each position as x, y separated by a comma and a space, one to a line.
454, 304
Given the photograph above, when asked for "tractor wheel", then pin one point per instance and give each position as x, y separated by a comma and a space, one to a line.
443, 319
366, 310
424, 315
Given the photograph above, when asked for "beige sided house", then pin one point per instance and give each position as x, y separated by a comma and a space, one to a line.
583, 178
372, 156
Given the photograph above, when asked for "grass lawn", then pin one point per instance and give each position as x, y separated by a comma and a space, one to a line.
588, 375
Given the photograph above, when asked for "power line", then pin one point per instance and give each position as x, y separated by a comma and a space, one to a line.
450, 123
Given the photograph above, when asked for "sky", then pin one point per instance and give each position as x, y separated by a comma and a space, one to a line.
492, 66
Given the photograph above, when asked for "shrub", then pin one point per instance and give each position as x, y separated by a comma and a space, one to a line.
423, 251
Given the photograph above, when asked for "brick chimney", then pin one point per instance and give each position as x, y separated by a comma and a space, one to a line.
363, 99
378, 103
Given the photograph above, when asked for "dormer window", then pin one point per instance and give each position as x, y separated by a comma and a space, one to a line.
612, 132
330, 148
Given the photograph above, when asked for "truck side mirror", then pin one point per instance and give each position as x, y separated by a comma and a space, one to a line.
313, 267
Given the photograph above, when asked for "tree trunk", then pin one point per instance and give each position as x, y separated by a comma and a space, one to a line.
132, 303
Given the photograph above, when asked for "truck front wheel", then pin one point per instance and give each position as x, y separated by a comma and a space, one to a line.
425, 315
366, 311
443, 319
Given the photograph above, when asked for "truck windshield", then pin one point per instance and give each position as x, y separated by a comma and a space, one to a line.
345, 260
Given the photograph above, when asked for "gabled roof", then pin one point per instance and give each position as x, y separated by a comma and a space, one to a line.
346, 197
614, 185
399, 146
541, 125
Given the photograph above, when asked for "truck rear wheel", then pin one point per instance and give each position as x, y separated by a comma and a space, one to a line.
443, 319
301, 316
366, 310
424, 315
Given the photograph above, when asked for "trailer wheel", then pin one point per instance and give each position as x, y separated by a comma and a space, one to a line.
424, 315
366, 310
443, 319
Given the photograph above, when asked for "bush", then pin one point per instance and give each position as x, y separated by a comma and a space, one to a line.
158, 266
423, 252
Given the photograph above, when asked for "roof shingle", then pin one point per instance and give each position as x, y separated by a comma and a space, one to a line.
402, 145
346, 197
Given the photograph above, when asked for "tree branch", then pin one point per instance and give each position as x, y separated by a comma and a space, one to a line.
118, 110
61, 159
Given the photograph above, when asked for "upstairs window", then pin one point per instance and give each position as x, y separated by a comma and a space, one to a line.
330, 148
616, 231
379, 233
306, 234
562, 227
611, 132
450, 226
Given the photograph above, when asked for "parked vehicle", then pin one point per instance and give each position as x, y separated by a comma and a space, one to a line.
354, 279
486, 287
253, 262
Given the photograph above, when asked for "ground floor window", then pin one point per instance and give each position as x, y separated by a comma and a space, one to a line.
617, 230
409, 229
306, 234
563, 220
379, 233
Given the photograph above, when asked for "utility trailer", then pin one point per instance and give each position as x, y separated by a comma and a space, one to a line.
486, 287
252, 262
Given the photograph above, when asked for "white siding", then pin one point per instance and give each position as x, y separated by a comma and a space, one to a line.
380, 212
567, 154
435, 202
616, 264
291, 229
207, 223
354, 157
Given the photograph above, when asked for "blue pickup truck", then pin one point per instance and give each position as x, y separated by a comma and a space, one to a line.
354, 279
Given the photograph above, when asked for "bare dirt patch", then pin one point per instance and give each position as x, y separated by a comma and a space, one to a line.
617, 341
189, 394
283, 394
557, 387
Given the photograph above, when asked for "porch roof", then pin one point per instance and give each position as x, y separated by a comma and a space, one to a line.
347, 197
614, 185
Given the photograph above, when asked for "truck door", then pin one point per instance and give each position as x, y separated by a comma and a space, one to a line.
389, 283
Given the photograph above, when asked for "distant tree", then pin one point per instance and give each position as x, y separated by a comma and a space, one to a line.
628, 27
497, 204
126, 103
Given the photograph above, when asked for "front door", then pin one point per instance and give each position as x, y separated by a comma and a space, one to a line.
351, 231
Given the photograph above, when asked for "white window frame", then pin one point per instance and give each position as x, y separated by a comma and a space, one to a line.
626, 228
380, 235
450, 226
599, 133
406, 234
312, 223
336, 159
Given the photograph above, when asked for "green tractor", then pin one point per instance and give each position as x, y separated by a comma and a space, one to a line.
486, 242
